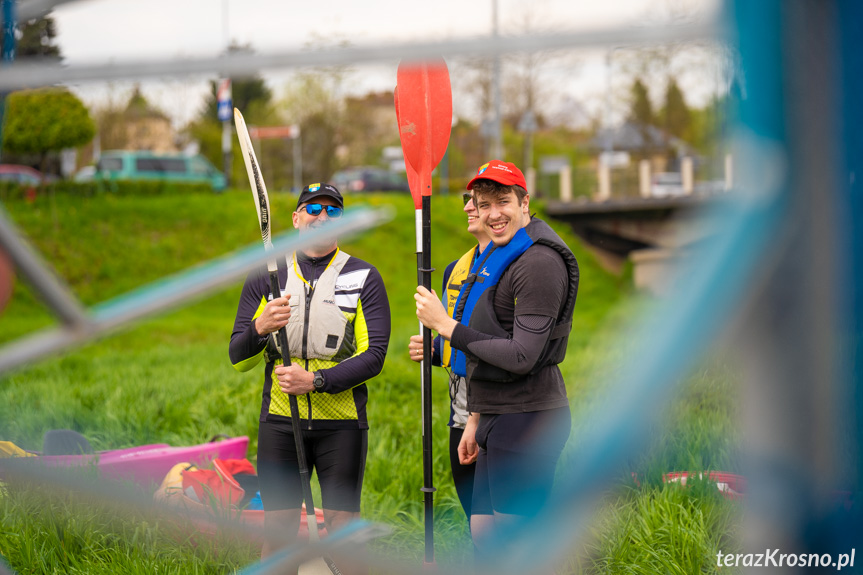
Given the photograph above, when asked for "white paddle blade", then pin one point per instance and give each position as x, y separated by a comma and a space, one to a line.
256, 181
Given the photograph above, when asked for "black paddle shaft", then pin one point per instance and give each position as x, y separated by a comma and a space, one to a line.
305, 478
424, 271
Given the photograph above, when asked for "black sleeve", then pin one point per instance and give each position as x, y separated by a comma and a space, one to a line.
516, 355
538, 282
247, 347
374, 313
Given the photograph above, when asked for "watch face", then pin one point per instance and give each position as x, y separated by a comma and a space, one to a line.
319, 381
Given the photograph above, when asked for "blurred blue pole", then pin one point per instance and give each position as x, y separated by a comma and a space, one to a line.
851, 34
803, 436
850, 26
9, 22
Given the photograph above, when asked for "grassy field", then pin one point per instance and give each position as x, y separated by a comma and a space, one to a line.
169, 380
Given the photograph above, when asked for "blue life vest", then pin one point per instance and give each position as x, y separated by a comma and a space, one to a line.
484, 273
485, 320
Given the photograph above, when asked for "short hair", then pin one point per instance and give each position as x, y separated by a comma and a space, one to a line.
486, 187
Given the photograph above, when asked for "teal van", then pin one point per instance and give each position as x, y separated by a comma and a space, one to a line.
141, 165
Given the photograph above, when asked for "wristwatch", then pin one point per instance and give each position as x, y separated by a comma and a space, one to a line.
319, 381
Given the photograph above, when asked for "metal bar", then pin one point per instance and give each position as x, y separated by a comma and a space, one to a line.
172, 291
37, 8
55, 294
22, 76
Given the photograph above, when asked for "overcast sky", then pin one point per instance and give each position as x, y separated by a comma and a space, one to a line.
101, 31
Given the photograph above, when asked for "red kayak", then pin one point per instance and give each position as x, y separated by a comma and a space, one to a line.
147, 465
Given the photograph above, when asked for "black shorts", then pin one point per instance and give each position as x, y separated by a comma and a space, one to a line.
518, 454
338, 457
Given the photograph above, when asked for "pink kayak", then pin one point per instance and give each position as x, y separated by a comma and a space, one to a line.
147, 465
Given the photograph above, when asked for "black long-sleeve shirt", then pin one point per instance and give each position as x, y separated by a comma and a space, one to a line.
342, 401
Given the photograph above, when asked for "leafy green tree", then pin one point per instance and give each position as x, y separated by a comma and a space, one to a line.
312, 100
641, 110
246, 93
36, 39
676, 114
254, 99
46, 120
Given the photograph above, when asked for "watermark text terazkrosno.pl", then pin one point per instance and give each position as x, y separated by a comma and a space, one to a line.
774, 558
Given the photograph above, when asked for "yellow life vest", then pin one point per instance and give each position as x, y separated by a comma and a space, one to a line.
459, 273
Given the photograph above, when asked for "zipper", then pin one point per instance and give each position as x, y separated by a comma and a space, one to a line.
310, 292
309, 401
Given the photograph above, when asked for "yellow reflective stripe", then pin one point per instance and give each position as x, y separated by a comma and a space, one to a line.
251, 362
260, 309
361, 329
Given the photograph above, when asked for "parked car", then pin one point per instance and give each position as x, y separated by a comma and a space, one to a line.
140, 165
21, 175
85, 174
666, 184
369, 179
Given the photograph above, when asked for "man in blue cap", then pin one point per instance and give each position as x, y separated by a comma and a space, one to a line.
337, 317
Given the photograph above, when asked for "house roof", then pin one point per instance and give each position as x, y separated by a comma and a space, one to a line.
633, 136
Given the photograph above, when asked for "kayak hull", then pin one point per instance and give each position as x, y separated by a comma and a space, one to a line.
146, 465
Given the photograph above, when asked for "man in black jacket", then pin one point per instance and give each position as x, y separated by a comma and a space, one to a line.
522, 298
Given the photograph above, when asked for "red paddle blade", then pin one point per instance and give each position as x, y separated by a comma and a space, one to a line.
424, 115
413, 176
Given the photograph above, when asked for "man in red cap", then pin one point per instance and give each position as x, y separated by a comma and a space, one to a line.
518, 302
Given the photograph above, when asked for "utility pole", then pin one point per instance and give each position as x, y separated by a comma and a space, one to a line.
298, 158
225, 107
497, 128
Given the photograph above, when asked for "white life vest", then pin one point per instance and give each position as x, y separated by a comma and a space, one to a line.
317, 326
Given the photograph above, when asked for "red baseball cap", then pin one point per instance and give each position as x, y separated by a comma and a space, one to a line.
505, 173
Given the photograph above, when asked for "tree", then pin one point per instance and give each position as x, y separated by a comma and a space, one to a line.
677, 118
246, 93
641, 110
314, 101
47, 120
253, 98
36, 39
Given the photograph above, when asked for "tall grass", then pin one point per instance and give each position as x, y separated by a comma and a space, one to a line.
169, 380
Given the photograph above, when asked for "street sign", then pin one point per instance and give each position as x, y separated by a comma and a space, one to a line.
225, 110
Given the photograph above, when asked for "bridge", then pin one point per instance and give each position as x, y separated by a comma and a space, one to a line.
652, 233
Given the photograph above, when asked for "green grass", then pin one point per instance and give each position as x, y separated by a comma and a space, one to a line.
661, 530
169, 380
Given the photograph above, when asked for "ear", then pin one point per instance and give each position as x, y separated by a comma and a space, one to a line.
295, 218
525, 204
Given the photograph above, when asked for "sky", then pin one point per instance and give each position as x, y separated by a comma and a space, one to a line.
103, 31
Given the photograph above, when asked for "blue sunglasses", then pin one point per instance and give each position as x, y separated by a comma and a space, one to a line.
316, 209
